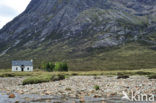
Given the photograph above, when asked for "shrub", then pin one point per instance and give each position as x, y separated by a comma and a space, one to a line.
36, 80
122, 76
7, 75
68, 89
152, 76
96, 87
143, 73
74, 74
43, 78
96, 77
57, 77
61, 66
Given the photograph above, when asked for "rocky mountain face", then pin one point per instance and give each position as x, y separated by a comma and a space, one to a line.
78, 30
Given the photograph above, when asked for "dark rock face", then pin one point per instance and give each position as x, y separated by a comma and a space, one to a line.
85, 23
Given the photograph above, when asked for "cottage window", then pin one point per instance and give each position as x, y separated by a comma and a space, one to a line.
16, 68
28, 68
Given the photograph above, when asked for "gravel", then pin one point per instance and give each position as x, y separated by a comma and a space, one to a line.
81, 86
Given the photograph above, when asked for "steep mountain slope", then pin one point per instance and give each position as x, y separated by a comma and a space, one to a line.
88, 34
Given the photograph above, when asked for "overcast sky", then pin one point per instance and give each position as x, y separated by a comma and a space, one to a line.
10, 9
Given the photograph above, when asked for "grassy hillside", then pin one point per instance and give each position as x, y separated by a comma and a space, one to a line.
128, 56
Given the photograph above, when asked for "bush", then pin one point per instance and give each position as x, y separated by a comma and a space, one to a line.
96, 87
36, 80
68, 89
7, 75
152, 76
122, 76
42, 79
61, 66
143, 73
57, 77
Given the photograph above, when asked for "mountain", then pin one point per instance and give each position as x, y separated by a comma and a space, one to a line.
88, 34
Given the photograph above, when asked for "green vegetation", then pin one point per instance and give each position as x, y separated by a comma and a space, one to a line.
7, 73
17, 74
152, 76
96, 87
143, 73
61, 67
39, 76
122, 76
130, 56
68, 89
48, 66
58, 66
43, 78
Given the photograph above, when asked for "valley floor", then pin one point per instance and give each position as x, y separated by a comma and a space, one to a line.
81, 86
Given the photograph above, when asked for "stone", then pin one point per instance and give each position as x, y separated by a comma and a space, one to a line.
96, 96
12, 96
82, 100
17, 102
47, 93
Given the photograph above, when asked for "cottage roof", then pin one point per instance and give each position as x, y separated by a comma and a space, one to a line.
19, 63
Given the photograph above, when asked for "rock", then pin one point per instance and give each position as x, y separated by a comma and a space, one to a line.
82, 100
103, 102
96, 96
113, 94
17, 102
21, 92
12, 96
47, 93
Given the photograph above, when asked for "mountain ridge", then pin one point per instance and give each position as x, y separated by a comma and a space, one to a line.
75, 29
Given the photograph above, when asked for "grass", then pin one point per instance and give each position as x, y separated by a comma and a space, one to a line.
96, 87
7, 73
39, 76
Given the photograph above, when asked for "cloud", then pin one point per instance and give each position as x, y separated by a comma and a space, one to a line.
10, 9
7, 11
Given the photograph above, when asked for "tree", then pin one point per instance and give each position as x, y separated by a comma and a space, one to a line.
59, 66
48, 66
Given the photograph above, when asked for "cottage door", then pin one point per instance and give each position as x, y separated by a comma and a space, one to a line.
22, 68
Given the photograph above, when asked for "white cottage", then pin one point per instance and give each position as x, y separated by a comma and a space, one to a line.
26, 66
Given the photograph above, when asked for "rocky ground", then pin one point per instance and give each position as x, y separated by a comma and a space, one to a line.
80, 86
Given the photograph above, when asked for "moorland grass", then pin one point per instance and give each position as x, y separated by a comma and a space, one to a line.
39, 76
37, 72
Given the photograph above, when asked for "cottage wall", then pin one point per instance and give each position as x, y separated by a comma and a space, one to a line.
28, 68
18, 68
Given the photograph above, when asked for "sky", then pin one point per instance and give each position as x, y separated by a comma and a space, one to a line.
9, 9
